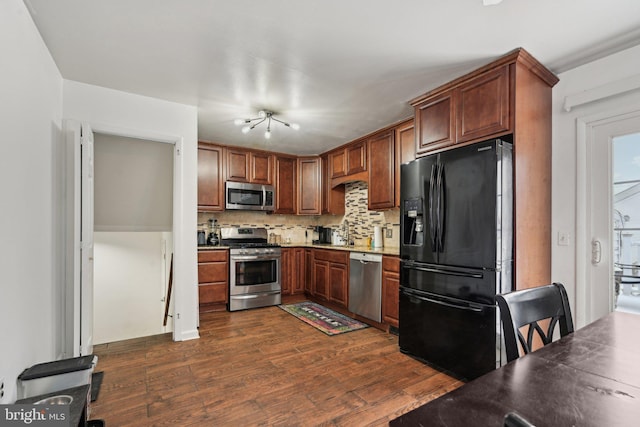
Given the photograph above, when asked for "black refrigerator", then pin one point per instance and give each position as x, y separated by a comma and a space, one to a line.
456, 252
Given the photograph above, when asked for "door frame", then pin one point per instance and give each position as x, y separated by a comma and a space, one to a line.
585, 131
74, 177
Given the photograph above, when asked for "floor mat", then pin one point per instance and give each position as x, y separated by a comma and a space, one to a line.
322, 318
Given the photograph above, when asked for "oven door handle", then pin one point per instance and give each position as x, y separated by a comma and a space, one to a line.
254, 257
254, 296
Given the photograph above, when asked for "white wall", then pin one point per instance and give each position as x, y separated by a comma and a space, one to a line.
613, 68
30, 177
115, 112
128, 285
133, 184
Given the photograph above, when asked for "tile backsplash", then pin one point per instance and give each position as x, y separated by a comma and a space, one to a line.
299, 228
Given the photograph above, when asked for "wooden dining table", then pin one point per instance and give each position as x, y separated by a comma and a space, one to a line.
588, 378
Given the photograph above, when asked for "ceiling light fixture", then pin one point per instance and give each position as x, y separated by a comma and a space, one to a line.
491, 2
263, 116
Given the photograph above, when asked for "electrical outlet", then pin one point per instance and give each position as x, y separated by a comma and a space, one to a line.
1, 389
388, 233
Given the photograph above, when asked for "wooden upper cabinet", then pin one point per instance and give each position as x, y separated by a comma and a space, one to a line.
309, 186
237, 165
337, 164
261, 165
435, 123
483, 105
405, 151
356, 157
285, 185
382, 171
210, 177
332, 198
249, 166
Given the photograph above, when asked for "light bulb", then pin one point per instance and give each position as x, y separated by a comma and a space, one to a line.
238, 121
246, 129
295, 126
262, 114
267, 134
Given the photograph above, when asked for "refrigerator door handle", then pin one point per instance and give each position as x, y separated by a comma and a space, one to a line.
432, 222
440, 207
447, 272
446, 304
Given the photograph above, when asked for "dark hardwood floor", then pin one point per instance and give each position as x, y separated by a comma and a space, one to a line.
261, 367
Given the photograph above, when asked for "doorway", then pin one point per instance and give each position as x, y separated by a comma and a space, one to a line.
133, 200
626, 222
605, 245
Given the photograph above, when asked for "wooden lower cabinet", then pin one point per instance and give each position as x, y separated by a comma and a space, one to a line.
298, 271
331, 276
308, 271
285, 271
213, 279
321, 279
292, 266
339, 284
390, 290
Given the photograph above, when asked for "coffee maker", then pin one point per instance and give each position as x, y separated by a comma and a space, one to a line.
324, 234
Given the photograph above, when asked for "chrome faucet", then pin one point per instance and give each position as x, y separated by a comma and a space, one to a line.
345, 231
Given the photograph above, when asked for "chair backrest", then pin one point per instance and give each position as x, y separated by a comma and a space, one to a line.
528, 307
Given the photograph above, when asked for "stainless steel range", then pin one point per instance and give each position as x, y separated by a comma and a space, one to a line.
254, 268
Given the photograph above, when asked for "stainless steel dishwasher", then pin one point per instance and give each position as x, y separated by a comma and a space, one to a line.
365, 285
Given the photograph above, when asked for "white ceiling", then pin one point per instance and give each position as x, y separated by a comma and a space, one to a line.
339, 68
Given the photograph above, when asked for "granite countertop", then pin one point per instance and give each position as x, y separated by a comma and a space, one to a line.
358, 248
77, 406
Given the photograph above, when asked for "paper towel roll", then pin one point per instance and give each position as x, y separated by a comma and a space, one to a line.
377, 237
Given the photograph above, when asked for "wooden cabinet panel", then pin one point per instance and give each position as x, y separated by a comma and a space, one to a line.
215, 293
261, 165
483, 105
356, 157
406, 142
332, 198
390, 290
321, 279
338, 283
209, 272
237, 165
286, 267
308, 271
337, 164
298, 271
285, 185
382, 171
405, 151
309, 186
213, 255
335, 256
435, 123
210, 178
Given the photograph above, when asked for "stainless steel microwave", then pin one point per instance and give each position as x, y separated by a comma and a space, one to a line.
251, 197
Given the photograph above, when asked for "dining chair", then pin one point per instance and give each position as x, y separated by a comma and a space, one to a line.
526, 308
